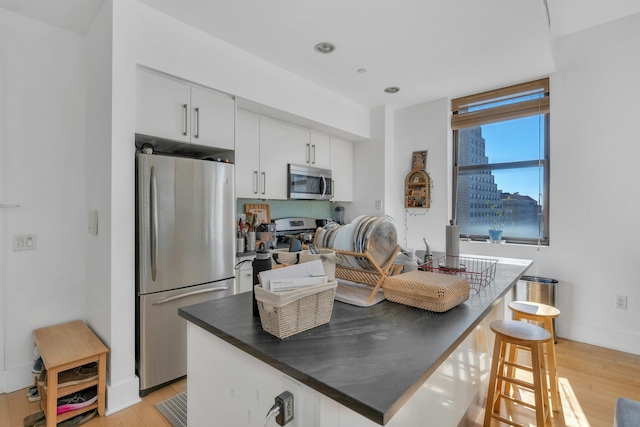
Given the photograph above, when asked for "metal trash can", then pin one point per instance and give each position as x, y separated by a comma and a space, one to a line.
539, 289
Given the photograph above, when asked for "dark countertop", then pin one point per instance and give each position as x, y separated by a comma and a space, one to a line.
368, 359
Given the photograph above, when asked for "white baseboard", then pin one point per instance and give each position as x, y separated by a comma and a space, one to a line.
123, 395
615, 340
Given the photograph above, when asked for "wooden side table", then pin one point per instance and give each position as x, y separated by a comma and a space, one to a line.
66, 346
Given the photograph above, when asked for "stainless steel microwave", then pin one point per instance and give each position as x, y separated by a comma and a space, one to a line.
307, 183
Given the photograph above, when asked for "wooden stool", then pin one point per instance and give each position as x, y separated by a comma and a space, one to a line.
510, 333
526, 310
67, 346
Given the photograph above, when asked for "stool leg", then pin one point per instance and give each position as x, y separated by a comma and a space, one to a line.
540, 386
513, 357
500, 372
491, 395
553, 367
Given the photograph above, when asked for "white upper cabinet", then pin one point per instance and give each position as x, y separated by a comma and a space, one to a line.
274, 156
212, 118
308, 148
167, 108
298, 145
342, 170
320, 151
261, 170
264, 147
163, 107
247, 155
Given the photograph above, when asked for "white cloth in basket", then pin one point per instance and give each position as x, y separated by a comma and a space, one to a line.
280, 299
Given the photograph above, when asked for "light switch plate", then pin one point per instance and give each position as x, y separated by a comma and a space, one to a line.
24, 242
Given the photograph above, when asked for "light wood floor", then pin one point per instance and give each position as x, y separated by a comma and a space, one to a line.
15, 406
591, 379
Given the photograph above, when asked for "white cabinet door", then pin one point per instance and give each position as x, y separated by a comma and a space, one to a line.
162, 107
308, 148
320, 156
342, 170
212, 118
247, 156
274, 156
244, 276
299, 146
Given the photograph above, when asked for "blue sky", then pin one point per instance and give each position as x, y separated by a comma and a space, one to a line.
514, 140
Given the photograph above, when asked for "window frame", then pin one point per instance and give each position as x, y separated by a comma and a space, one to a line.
462, 119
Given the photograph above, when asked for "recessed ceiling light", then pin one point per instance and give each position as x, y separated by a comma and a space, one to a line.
362, 70
392, 89
325, 47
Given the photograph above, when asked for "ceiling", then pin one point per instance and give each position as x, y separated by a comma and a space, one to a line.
430, 49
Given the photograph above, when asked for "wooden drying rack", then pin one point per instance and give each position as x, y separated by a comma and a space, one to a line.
374, 277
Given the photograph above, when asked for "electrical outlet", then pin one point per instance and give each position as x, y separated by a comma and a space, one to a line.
285, 402
378, 205
621, 302
294, 388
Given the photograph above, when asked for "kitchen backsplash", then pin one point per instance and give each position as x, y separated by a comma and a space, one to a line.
290, 208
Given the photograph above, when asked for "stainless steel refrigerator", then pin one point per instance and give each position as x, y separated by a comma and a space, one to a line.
185, 217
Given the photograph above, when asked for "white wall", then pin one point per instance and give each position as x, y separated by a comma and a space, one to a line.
42, 112
595, 154
369, 173
594, 249
419, 128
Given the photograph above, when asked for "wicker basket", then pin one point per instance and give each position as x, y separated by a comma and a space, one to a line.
327, 256
283, 256
284, 314
426, 290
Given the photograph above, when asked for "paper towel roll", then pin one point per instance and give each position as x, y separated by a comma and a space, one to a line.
452, 246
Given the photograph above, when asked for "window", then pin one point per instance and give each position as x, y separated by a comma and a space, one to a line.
501, 140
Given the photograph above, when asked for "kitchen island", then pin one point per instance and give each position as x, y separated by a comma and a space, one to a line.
388, 364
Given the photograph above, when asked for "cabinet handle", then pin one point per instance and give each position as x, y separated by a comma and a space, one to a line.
314, 154
308, 153
255, 182
184, 119
197, 135
264, 182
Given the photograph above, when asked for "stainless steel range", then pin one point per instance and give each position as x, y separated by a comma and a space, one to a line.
301, 228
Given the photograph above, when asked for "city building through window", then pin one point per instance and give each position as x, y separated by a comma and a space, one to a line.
501, 163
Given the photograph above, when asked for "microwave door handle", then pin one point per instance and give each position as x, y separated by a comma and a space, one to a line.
324, 185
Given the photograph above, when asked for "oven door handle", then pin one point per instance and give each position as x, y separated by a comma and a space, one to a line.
188, 294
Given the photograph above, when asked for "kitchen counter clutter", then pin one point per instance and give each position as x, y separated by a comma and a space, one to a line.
366, 364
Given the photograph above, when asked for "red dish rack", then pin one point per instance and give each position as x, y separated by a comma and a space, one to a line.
480, 272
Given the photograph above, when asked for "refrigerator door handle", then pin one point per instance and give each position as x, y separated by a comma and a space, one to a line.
153, 220
188, 294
